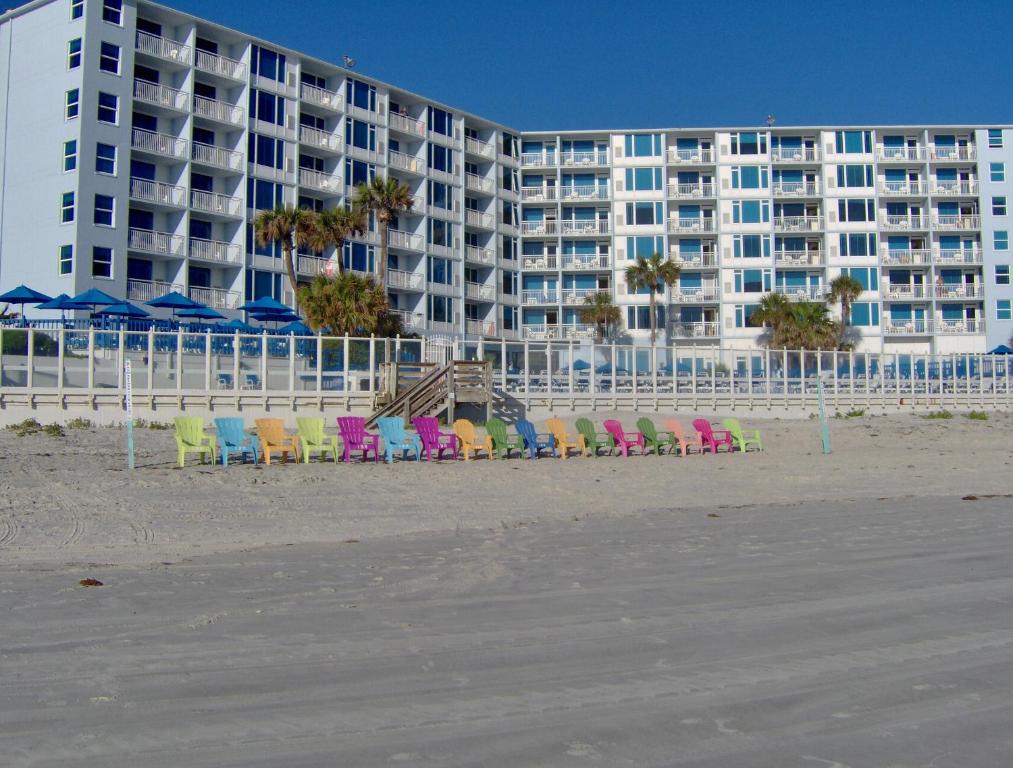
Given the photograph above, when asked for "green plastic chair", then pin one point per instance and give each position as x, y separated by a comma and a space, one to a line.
594, 440
740, 437
311, 434
653, 439
191, 438
502, 443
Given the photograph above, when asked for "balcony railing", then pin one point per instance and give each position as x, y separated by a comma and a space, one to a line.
794, 155
596, 157
542, 262
406, 240
160, 243
478, 147
950, 327
321, 97
952, 153
479, 184
533, 194
901, 154
479, 292
706, 293
320, 139
216, 251
223, 66
955, 188
213, 202
157, 192
160, 95
956, 256
910, 257
691, 225
690, 190
162, 48
552, 332
578, 295
902, 188
405, 162
802, 292
545, 227
409, 281
905, 222
310, 265
585, 226
480, 327
914, 327
905, 291
218, 111
410, 320
688, 156
957, 222
406, 124
798, 223
479, 255
796, 189
540, 296
319, 180
586, 192
798, 258
538, 159
158, 143
219, 298
479, 219
149, 290
218, 157
693, 258
585, 262
698, 330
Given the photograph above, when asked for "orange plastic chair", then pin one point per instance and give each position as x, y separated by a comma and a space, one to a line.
563, 441
470, 442
693, 439
273, 437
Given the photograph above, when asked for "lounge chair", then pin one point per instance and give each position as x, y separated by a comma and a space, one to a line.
710, 437
190, 438
685, 441
354, 437
312, 438
433, 439
396, 438
534, 441
274, 439
742, 438
232, 437
469, 441
563, 441
653, 439
624, 440
593, 440
503, 443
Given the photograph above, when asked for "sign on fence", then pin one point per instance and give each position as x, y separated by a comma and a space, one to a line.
128, 386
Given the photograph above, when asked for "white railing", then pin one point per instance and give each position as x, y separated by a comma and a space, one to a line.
158, 143
532, 194
706, 293
913, 327
901, 188
540, 296
545, 227
478, 147
802, 292
437, 211
538, 159
910, 256
219, 298
595, 157
480, 327
160, 95
479, 255
161, 243
904, 291
948, 327
798, 258
215, 250
310, 265
543, 262
796, 189
479, 219
405, 162
794, 154
955, 187
479, 184
586, 192
901, 154
319, 180
373, 115
157, 192
952, 153
218, 110
956, 256
691, 190
578, 295
586, 262
149, 290
551, 332
162, 48
957, 221
398, 239
585, 226
479, 291
798, 223
693, 258
691, 225
320, 96
213, 202
321, 139
219, 157
904, 222
696, 155
409, 281
697, 330
406, 124
214, 64
410, 320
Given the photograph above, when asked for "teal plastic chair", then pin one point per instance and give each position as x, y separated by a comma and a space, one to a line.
397, 438
232, 437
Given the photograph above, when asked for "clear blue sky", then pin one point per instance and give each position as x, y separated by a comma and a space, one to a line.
566, 64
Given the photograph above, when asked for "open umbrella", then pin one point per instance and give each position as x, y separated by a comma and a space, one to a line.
298, 328
175, 301
238, 326
201, 313
24, 295
1002, 349
122, 309
93, 297
265, 304
63, 302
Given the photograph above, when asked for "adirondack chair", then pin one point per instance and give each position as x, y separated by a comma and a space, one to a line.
274, 439
594, 440
396, 438
653, 439
469, 441
625, 440
232, 437
190, 438
534, 441
685, 441
742, 438
710, 437
563, 441
355, 438
312, 438
433, 439
503, 443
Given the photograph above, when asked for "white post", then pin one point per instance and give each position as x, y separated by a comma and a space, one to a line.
348, 388
91, 358
570, 369
291, 363
30, 360
527, 369
207, 360
675, 378
128, 388
784, 363
766, 374
179, 360
503, 364
151, 362
237, 343
320, 362
372, 362
263, 362
62, 338
121, 356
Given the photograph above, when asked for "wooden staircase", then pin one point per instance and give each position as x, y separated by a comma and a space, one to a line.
426, 389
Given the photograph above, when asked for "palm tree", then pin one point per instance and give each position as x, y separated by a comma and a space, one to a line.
332, 227
600, 311
809, 326
773, 311
386, 198
349, 304
288, 226
651, 272
845, 289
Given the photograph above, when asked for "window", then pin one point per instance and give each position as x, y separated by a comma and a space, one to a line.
864, 313
643, 145
854, 176
643, 246
105, 159
76, 9
360, 94
440, 122
997, 171
644, 214
108, 108
104, 205
73, 104
109, 58
750, 177
74, 53
751, 246
866, 276
441, 309
743, 313
101, 261
360, 134
357, 172
267, 107
65, 262
266, 150
860, 209
642, 180
1000, 240
752, 280
853, 142
70, 155
639, 318
750, 211
1003, 310
112, 11
749, 143
995, 138
267, 63
862, 244
1002, 274
67, 208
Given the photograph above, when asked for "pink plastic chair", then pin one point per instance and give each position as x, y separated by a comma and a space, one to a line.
624, 440
712, 437
355, 438
434, 440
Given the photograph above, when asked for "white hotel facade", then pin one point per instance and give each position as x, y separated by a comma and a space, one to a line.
139, 142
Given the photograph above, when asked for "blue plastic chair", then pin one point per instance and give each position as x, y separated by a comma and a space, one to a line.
396, 438
534, 441
232, 437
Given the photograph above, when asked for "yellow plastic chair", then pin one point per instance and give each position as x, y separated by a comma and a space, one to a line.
272, 436
563, 441
312, 438
190, 438
469, 440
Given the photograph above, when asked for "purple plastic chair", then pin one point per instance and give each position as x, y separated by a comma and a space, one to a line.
712, 437
355, 438
624, 440
433, 439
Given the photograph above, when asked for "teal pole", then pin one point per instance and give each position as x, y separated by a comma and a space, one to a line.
824, 424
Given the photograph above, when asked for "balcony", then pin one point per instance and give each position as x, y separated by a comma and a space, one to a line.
364, 113
217, 157
902, 188
904, 223
957, 256
321, 97
578, 295
407, 125
325, 182
901, 154
149, 290
703, 294
310, 265
404, 240
540, 263
218, 298
218, 111
162, 48
406, 281
905, 292
399, 161
538, 159
157, 243
589, 227
538, 194
481, 148
479, 219
686, 226
479, 184
951, 154
479, 292
161, 144
908, 257
444, 289
585, 262
410, 320
957, 223
955, 188
160, 96
545, 227
687, 191
587, 192
701, 330
695, 156
959, 291
693, 258
955, 327
598, 157
215, 203
216, 251
222, 66
480, 327
796, 189
798, 223
802, 292
554, 332
794, 155
318, 139
799, 258
550, 296
480, 255
508, 227
915, 327
158, 193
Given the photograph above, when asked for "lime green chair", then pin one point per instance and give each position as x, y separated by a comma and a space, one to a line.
653, 439
502, 443
740, 437
311, 434
594, 440
191, 438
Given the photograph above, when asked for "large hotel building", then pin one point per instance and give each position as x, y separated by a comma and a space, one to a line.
138, 143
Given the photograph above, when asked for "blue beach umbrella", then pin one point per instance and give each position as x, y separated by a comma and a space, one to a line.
174, 301
265, 304
298, 328
201, 313
122, 309
63, 302
1002, 349
236, 325
93, 297
24, 295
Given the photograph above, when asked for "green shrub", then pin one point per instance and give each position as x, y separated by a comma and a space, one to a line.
977, 416
855, 413
26, 427
15, 342
79, 423
54, 430
938, 415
